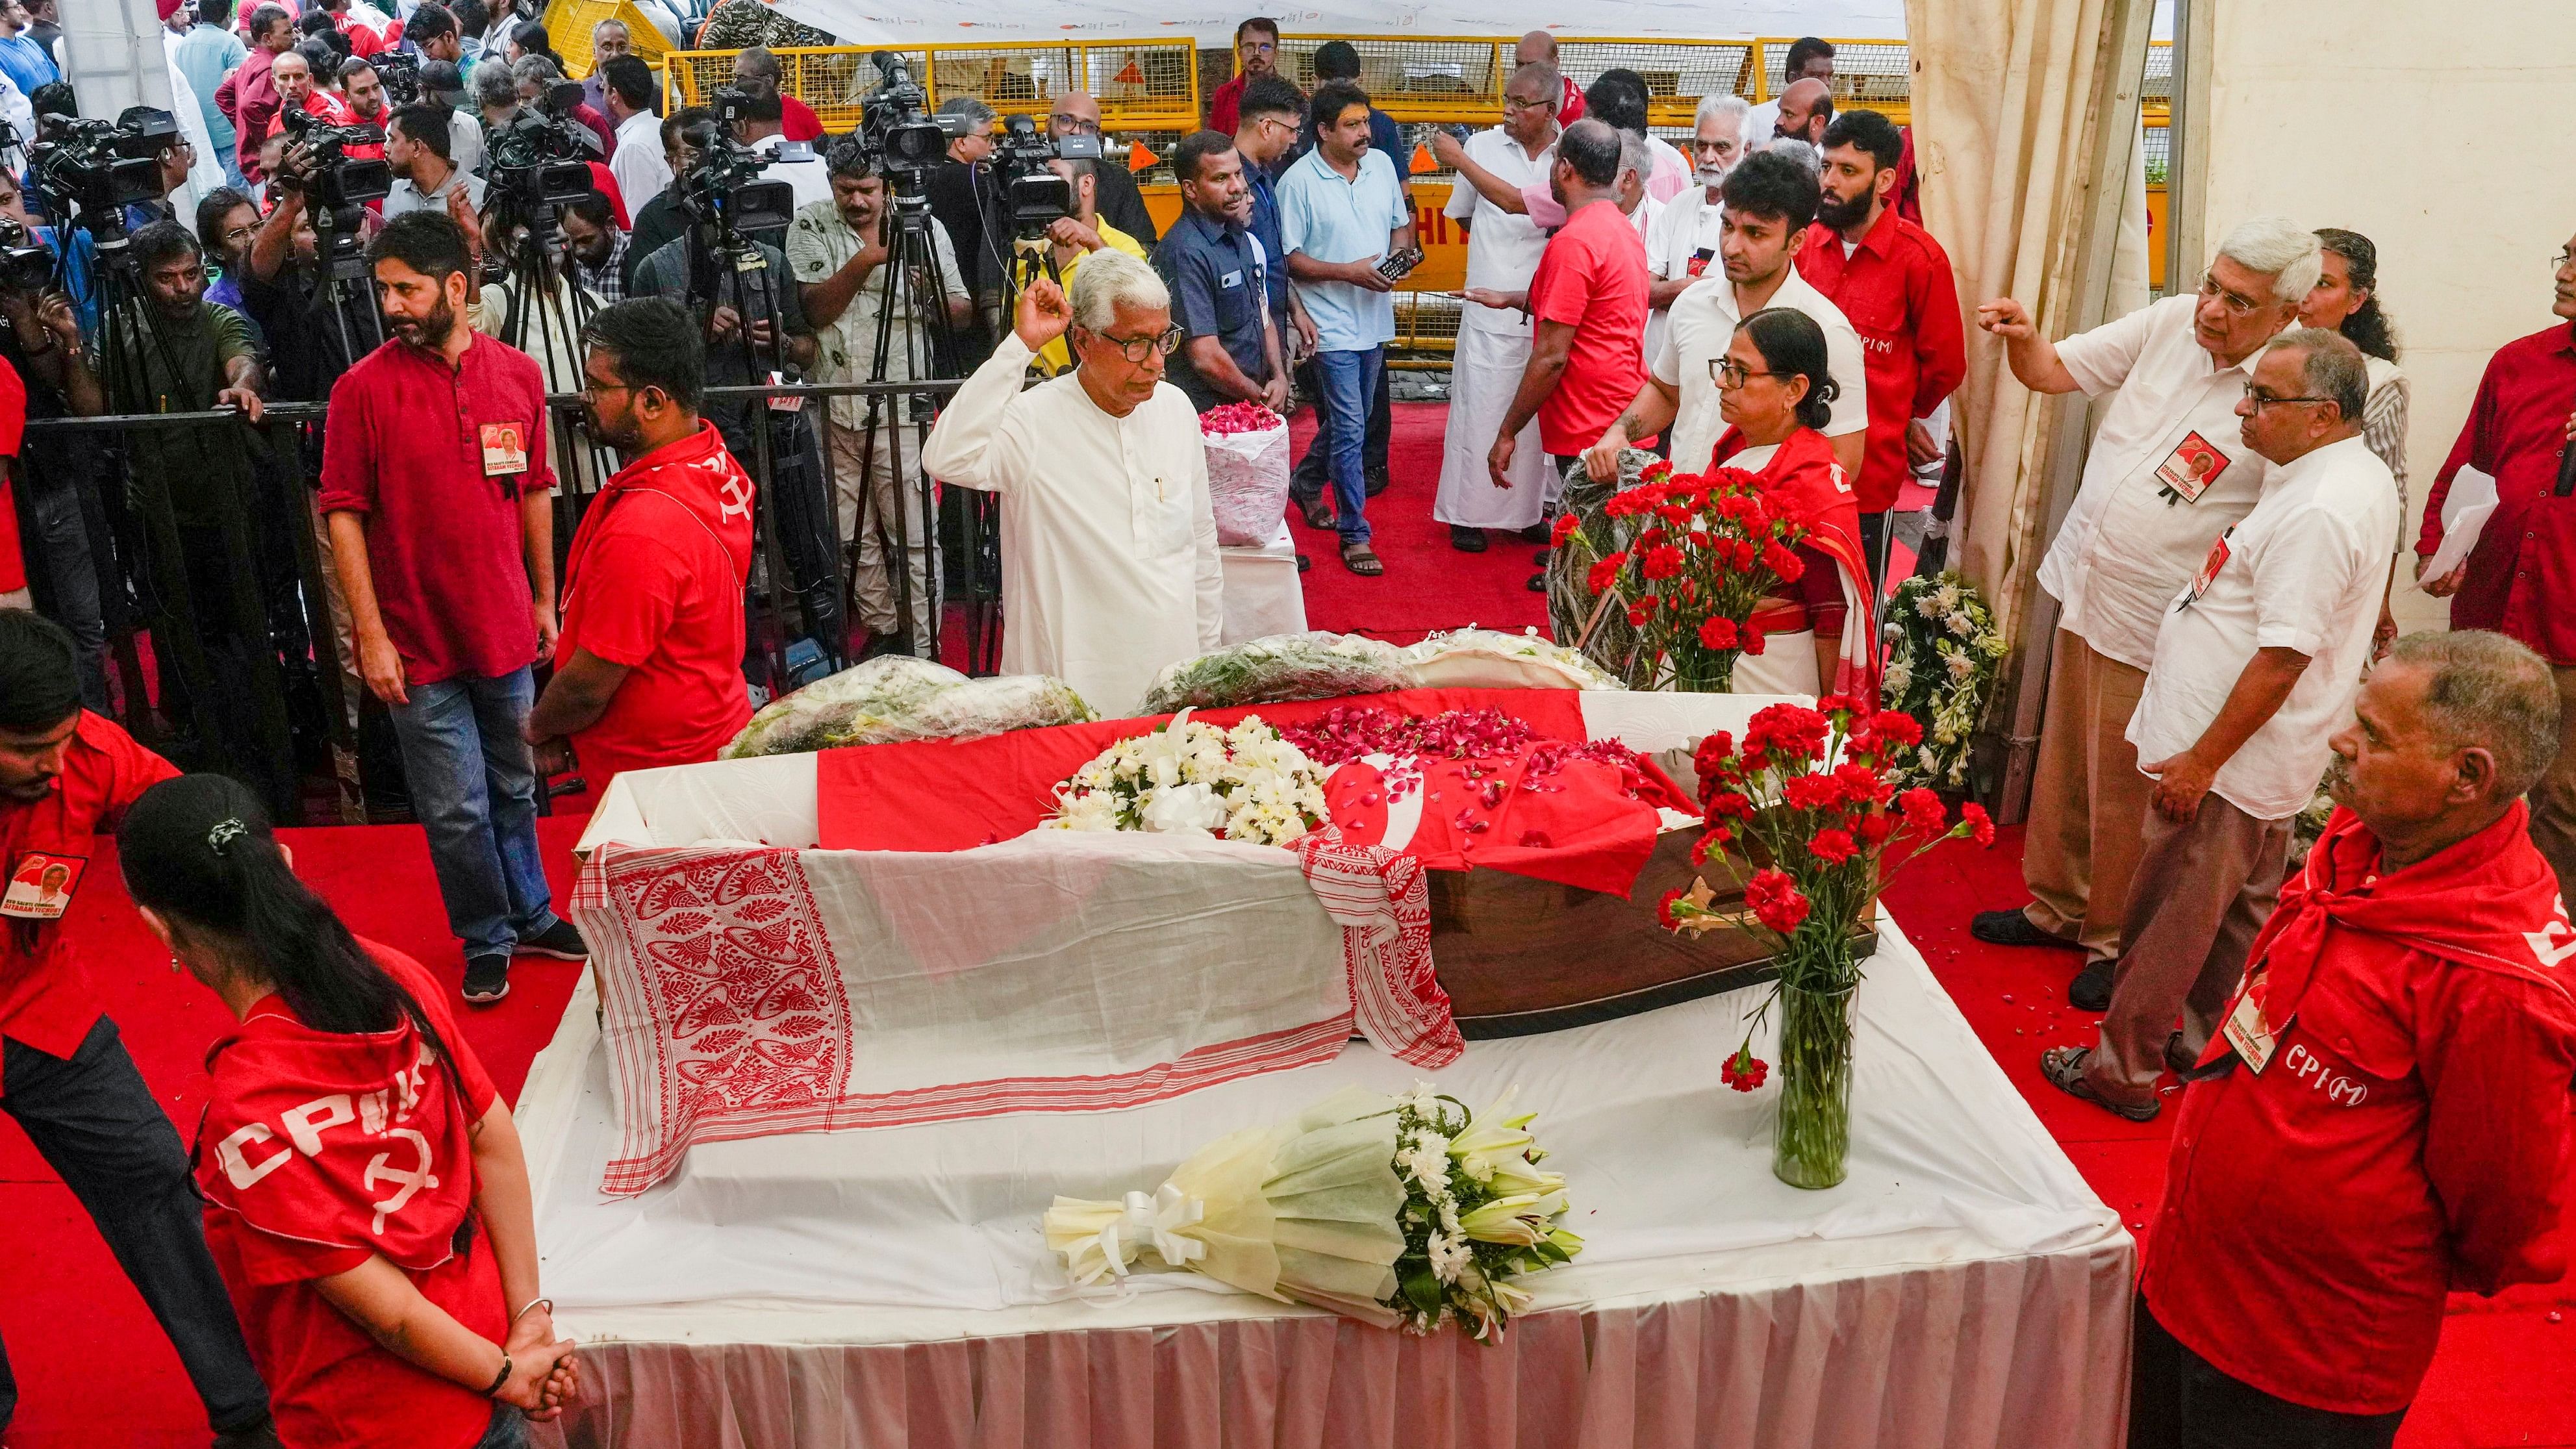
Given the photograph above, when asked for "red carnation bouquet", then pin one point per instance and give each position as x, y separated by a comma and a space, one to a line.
1240, 417
1694, 556
1810, 795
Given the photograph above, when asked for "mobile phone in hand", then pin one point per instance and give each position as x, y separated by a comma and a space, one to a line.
1396, 265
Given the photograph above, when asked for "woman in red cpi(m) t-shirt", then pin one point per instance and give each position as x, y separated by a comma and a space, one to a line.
367, 1203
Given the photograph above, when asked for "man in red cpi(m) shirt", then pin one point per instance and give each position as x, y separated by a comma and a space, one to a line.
2384, 1117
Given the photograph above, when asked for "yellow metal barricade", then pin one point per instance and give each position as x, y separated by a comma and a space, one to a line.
569, 23
1142, 86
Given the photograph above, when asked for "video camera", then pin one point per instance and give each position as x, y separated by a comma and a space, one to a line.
725, 190
96, 169
1035, 196
332, 179
896, 126
25, 263
539, 159
399, 70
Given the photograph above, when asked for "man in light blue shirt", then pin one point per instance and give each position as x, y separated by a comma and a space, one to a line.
205, 57
24, 60
1342, 210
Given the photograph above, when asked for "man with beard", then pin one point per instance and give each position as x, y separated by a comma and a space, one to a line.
2256, 663
1685, 239
363, 91
1256, 53
1808, 58
649, 669
1214, 268
420, 148
436, 482
67, 776
2385, 1120
1893, 281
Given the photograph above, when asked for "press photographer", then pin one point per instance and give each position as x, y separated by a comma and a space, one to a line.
1072, 236
662, 216
312, 239
756, 123
41, 342
840, 251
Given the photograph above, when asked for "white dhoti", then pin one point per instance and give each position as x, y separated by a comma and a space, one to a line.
1484, 376
1786, 665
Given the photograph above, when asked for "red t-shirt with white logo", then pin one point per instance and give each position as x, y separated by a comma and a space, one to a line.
328, 1381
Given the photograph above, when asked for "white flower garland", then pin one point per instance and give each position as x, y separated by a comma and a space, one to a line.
1940, 669
1190, 778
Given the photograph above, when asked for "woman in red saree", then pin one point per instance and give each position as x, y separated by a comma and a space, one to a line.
366, 1198
1773, 390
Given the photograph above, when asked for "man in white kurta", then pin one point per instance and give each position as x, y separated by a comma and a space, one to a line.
1494, 342
1109, 561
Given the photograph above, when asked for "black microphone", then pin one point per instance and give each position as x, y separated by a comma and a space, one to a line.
2567, 469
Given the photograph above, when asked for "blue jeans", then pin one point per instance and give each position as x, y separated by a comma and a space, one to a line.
57, 545
1350, 382
474, 788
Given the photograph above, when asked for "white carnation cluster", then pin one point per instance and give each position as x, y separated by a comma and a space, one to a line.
1940, 669
1191, 778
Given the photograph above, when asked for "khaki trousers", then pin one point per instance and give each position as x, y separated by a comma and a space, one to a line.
2086, 799
2201, 893
2553, 800
892, 506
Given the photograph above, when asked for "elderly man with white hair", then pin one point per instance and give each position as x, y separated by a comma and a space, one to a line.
1109, 562
1685, 237
2167, 476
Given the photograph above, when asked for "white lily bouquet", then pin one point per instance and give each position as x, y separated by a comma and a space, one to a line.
1190, 778
1401, 1212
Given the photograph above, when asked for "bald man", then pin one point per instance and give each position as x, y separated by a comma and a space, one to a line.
1806, 108
1539, 48
1114, 192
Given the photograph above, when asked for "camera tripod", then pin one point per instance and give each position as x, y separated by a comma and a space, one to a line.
911, 252
794, 517
132, 347
542, 294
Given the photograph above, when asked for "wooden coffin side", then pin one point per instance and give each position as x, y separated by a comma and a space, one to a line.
1519, 956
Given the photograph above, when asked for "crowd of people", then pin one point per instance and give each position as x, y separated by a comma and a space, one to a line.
2378, 1045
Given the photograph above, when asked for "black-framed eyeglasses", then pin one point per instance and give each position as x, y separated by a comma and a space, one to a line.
2237, 304
1727, 372
2262, 399
593, 387
1137, 349
1076, 124
1515, 103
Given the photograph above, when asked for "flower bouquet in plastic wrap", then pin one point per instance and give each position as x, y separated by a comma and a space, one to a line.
896, 697
1191, 778
1247, 463
1473, 658
1402, 1212
1314, 665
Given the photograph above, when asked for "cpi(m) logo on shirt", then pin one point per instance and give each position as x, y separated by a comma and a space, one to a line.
2554, 942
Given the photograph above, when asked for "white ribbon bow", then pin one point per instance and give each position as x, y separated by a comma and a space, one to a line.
1154, 1221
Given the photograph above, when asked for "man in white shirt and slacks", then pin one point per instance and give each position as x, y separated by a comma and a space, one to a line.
2166, 475
1109, 562
2255, 669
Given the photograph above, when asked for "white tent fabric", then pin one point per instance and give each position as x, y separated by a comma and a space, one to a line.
923, 22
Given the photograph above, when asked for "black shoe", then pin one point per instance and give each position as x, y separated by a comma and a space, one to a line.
886, 644
1304, 563
1376, 483
1538, 583
559, 940
1537, 533
1466, 540
2011, 928
487, 978
2091, 988
1542, 556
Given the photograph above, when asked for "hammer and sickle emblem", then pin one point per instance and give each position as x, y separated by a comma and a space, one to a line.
412, 1180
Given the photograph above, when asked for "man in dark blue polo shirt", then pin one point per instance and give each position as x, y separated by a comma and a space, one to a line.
1229, 349
1271, 113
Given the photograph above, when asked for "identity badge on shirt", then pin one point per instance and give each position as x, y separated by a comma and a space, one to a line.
2249, 1033
1700, 259
2209, 569
2190, 468
40, 889
505, 450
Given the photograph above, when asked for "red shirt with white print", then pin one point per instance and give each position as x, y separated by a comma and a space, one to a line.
2406, 1136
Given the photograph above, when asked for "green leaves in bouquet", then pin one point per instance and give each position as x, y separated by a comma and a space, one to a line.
1678, 565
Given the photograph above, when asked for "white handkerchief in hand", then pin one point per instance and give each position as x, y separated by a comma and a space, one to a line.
2464, 513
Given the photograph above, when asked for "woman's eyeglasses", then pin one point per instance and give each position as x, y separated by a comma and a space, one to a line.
1726, 372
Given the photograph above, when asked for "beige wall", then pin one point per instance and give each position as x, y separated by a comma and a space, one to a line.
2440, 132
2444, 133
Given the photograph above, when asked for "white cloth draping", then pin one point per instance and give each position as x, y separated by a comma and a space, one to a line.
1963, 1288
1109, 554
1263, 594
1483, 376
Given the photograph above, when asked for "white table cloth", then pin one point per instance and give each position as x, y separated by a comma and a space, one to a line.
889, 1287
1263, 594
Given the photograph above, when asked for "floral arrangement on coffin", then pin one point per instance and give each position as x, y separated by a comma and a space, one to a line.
1695, 556
1401, 1212
1940, 668
1355, 732
1192, 778
1313, 665
1811, 794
